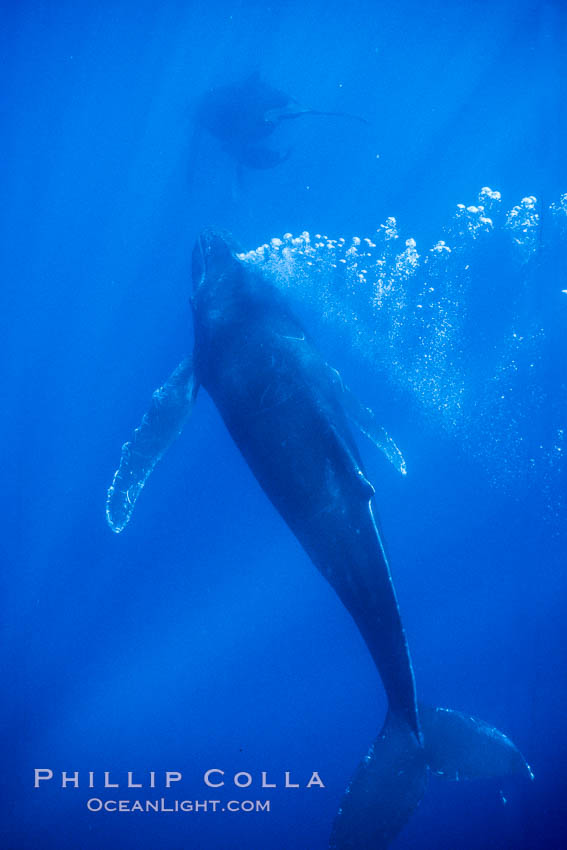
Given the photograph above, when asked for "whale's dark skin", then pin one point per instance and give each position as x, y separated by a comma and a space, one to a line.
281, 403
242, 115
285, 409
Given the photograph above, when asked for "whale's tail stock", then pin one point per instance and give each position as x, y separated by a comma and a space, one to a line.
391, 780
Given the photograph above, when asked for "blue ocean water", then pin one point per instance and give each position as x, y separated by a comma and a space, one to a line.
202, 637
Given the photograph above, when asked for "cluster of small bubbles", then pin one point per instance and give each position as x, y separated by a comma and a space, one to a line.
472, 221
522, 223
560, 208
408, 261
389, 230
428, 319
548, 464
440, 248
559, 216
490, 200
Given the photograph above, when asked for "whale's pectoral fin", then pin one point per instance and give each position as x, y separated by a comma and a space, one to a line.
161, 424
366, 422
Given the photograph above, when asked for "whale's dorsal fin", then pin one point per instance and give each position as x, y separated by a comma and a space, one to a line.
365, 420
161, 424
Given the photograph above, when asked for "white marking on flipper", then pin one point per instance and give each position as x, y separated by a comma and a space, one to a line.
161, 424
365, 420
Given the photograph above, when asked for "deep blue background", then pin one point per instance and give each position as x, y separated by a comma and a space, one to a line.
203, 637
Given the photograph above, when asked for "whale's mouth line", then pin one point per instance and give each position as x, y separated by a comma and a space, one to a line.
198, 264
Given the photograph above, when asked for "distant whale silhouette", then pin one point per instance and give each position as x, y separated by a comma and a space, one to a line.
241, 116
287, 411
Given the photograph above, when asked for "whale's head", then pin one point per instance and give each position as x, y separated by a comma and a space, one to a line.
220, 279
214, 258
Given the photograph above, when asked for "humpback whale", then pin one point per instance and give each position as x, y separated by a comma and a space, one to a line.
288, 412
241, 116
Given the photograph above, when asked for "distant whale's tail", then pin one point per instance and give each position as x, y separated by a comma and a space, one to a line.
338, 115
295, 110
391, 780
349, 115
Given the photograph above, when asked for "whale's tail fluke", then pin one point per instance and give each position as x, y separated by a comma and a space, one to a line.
391, 780
387, 786
458, 746
292, 110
